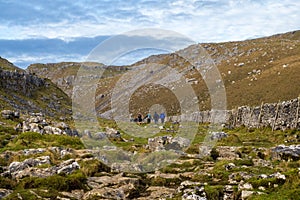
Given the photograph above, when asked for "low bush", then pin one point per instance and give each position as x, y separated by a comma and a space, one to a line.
57, 182
36, 140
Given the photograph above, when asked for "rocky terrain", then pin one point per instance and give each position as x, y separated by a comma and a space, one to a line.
44, 159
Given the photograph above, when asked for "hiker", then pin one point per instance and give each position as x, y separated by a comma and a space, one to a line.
162, 117
155, 117
148, 117
131, 118
139, 118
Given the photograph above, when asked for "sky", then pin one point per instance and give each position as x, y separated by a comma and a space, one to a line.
52, 31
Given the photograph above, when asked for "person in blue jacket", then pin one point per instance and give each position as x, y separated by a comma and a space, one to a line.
162, 117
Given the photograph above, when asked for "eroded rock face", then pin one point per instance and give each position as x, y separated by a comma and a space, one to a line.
22, 82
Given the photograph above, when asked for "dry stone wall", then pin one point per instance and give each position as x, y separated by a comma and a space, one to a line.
279, 116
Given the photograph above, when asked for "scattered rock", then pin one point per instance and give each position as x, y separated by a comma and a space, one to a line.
155, 192
112, 133
218, 135
111, 187
229, 166
245, 186
31, 162
75, 194
283, 152
227, 153
4, 193
192, 190
167, 143
228, 192
9, 114
245, 194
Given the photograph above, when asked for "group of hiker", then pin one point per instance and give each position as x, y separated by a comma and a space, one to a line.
156, 117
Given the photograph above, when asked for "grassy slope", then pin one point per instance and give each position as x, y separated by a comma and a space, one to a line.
244, 87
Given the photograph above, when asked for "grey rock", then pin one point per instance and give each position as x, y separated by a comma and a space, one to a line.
28, 152
167, 143
228, 192
112, 133
218, 135
9, 114
75, 194
4, 193
192, 190
229, 166
283, 152
68, 166
31, 162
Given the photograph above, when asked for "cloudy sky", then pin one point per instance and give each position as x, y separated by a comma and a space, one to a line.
52, 30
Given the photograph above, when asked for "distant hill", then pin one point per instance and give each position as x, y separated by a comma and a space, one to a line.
26, 92
253, 71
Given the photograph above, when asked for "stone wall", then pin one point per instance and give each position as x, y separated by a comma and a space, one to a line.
278, 116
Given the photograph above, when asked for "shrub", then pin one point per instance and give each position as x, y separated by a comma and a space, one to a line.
214, 192
56, 182
36, 140
247, 162
214, 153
91, 167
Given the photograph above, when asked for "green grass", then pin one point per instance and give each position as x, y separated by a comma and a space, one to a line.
214, 192
261, 137
36, 140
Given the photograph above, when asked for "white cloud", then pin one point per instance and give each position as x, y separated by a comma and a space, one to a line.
200, 20
209, 20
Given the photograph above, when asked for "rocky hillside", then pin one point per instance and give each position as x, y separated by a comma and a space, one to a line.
253, 71
63, 74
26, 92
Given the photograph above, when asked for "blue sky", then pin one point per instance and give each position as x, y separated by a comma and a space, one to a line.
52, 31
